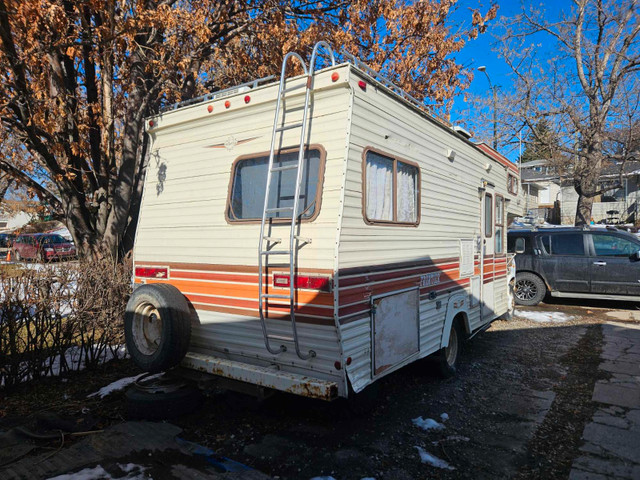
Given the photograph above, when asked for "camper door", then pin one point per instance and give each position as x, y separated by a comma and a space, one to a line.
488, 251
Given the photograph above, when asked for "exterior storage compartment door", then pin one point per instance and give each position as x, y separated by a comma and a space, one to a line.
395, 329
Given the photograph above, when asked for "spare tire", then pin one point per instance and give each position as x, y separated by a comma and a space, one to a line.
157, 327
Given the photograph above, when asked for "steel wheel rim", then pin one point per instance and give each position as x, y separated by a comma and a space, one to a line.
451, 350
526, 289
147, 328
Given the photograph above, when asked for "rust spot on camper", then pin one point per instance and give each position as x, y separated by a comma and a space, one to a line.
311, 390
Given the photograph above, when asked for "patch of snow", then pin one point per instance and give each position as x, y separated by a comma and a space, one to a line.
444, 417
131, 471
543, 317
432, 460
427, 424
119, 385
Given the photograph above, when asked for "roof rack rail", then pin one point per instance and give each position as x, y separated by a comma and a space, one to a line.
243, 87
356, 62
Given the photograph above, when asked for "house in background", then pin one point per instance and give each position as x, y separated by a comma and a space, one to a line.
541, 190
619, 200
554, 199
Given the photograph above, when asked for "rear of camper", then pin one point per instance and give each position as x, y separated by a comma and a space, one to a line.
396, 251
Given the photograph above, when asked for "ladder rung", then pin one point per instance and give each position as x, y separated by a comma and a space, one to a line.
279, 209
275, 295
285, 167
295, 87
275, 252
272, 239
302, 239
288, 127
280, 337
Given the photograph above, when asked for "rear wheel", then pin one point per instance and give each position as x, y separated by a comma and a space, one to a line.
529, 289
448, 357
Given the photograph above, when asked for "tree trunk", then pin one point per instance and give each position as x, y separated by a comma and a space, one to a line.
583, 210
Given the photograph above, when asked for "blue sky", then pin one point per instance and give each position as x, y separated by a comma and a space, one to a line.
481, 51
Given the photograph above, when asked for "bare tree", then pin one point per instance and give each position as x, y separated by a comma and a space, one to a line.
578, 74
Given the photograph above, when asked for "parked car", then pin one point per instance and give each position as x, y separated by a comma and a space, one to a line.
6, 240
43, 247
592, 262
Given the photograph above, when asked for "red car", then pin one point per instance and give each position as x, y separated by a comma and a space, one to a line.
43, 247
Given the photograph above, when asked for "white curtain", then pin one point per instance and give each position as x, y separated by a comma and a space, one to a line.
379, 177
407, 193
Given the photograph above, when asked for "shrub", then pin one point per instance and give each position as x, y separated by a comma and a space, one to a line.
61, 318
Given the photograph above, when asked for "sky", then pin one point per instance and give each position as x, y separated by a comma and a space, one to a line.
482, 50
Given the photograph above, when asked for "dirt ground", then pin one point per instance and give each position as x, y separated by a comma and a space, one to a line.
516, 409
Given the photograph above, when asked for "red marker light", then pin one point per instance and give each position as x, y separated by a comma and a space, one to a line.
210, 108
247, 99
337, 365
335, 76
362, 85
348, 362
152, 272
227, 104
302, 281
151, 124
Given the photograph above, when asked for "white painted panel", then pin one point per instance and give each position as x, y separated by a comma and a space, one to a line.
396, 337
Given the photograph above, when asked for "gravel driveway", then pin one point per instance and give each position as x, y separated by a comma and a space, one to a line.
516, 409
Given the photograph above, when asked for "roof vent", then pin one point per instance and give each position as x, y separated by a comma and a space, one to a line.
461, 131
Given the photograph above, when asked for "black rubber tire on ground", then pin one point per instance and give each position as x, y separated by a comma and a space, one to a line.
171, 307
144, 405
447, 358
529, 289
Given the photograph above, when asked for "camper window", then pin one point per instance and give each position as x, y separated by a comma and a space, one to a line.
249, 178
391, 190
499, 223
488, 215
512, 184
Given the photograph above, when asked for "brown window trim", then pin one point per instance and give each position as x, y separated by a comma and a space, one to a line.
396, 159
501, 224
484, 206
317, 201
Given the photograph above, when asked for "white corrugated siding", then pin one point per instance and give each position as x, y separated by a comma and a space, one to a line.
183, 221
450, 211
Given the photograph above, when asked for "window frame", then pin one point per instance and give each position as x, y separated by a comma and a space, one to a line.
511, 181
496, 224
251, 156
395, 159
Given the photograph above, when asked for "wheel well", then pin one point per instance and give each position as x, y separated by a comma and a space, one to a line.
546, 284
462, 320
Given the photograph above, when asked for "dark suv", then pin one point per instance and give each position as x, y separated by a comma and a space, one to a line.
602, 263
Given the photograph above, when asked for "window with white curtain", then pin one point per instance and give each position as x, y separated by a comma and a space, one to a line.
392, 190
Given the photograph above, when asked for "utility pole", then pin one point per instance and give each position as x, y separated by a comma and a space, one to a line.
494, 92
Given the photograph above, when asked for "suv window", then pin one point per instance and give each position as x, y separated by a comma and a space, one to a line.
563, 244
613, 246
514, 242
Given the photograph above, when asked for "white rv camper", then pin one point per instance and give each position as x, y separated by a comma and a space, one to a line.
396, 250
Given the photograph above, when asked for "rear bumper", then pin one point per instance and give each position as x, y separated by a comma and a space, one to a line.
269, 377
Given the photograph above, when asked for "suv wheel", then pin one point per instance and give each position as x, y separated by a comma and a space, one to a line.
529, 289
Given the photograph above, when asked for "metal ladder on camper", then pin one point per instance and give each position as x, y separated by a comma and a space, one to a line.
265, 249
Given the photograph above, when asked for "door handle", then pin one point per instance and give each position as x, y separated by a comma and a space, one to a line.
601, 264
